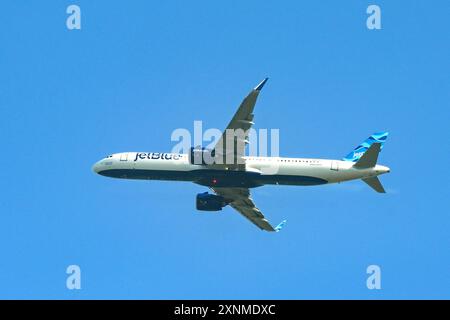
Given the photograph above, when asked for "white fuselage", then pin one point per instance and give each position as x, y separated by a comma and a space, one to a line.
258, 170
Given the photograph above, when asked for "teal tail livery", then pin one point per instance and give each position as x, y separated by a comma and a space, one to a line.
280, 226
357, 153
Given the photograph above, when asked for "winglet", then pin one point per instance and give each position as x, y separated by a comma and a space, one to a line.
280, 226
261, 85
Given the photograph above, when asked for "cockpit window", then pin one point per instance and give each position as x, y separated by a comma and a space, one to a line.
110, 156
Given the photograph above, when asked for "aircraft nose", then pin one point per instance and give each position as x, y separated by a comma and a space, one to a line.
96, 167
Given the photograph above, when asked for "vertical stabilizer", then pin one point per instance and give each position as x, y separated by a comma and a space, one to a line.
357, 153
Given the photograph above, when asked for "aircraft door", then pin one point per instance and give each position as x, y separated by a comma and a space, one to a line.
124, 157
335, 165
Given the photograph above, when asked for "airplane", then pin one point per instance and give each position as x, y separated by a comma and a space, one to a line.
231, 181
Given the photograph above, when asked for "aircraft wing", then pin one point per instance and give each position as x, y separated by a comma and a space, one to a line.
239, 199
233, 147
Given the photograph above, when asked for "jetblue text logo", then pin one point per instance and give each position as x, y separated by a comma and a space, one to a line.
157, 155
358, 154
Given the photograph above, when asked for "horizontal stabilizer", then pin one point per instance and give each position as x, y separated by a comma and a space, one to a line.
370, 157
375, 184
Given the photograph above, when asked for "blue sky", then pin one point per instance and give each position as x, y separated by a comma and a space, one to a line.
136, 71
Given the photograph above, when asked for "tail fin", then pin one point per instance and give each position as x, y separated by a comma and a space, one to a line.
370, 157
357, 153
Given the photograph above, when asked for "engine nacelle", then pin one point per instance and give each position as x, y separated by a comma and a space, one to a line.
202, 156
209, 202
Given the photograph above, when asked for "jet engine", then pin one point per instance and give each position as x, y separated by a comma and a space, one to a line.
209, 202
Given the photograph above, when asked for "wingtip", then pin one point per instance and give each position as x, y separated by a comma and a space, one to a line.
261, 84
280, 226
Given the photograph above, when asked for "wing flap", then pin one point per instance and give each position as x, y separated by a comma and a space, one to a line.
254, 215
239, 199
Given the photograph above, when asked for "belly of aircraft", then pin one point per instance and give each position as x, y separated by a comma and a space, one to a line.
216, 178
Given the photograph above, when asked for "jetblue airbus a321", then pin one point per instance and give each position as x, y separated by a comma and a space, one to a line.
231, 180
